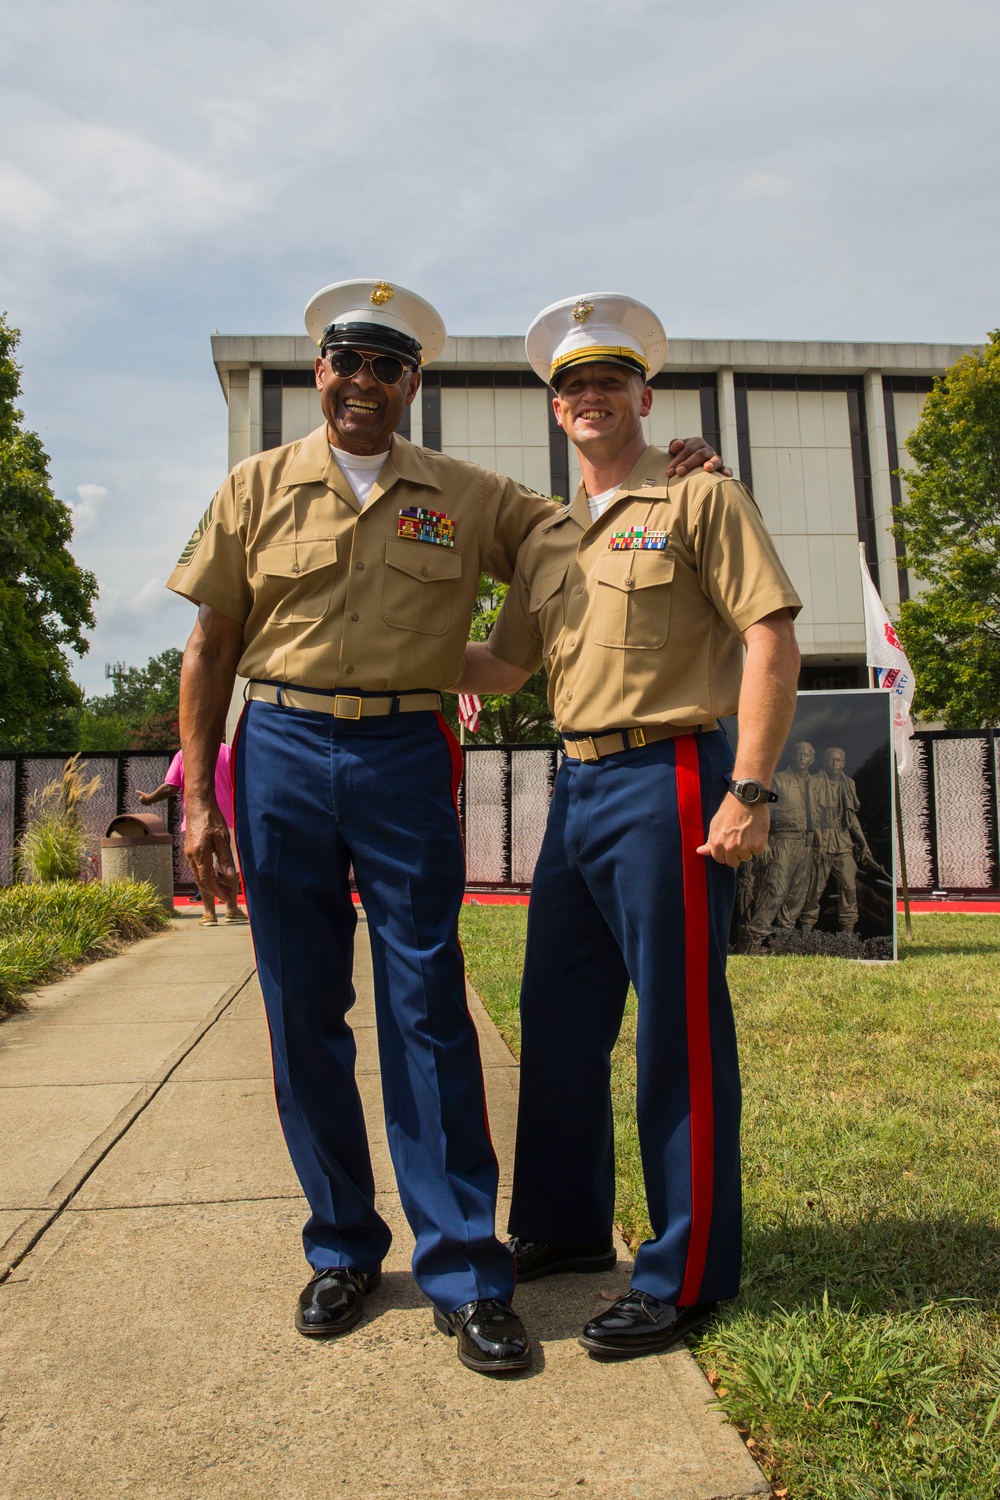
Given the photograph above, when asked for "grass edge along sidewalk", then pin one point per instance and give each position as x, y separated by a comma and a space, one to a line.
862, 1360
46, 930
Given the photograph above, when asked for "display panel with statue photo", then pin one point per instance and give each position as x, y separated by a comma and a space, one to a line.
825, 882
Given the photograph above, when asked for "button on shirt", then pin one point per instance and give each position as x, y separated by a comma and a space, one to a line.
643, 629
330, 594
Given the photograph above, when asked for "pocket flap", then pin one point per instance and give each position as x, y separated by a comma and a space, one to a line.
544, 587
635, 570
423, 560
292, 559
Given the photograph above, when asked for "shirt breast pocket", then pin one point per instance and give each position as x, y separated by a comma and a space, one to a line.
422, 583
299, 576
632, 600
547, 605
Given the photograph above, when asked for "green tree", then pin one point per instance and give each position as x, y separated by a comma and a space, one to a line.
140, 712
521, 719
950, 528
45, 599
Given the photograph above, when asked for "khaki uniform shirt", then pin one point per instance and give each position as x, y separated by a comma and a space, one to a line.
333, 596
634, 636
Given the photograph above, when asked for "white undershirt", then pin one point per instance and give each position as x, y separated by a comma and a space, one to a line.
599, 503
360, 470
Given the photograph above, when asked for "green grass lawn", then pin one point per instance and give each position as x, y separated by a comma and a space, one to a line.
45, 930
863, 1356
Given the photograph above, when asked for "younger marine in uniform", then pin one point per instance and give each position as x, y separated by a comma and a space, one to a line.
639, 597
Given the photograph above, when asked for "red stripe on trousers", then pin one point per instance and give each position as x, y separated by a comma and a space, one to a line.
699, 1042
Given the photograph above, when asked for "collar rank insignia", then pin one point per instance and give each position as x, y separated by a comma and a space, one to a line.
426, 526
639, 539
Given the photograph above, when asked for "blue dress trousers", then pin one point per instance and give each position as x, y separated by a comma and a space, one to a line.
315, 795
619, 893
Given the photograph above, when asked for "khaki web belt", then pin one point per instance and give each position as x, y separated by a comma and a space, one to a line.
592, 747
344, 705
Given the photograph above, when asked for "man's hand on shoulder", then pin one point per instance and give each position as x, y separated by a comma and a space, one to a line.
694, 453
737, 832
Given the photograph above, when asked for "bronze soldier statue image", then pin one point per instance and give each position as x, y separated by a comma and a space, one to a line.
840, 843
789, 875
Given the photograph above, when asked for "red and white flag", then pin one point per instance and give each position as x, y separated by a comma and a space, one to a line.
469, 707
892, 670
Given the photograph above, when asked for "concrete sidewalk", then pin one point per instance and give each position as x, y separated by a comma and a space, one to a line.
152, 1222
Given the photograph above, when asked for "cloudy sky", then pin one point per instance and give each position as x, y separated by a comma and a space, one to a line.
753, 168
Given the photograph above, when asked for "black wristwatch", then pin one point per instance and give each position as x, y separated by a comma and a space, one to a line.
752, 793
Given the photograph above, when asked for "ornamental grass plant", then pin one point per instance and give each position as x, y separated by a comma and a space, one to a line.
862, 1359
46, 930
53, 846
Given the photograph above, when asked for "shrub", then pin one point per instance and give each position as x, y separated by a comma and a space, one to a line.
54, 844
47, 929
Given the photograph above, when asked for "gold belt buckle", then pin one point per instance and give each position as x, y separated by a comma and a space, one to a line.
638, 739
593, 749
339, 712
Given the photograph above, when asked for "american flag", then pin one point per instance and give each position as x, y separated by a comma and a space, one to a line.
469, 707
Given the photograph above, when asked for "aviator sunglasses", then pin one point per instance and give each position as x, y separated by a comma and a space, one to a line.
386, 368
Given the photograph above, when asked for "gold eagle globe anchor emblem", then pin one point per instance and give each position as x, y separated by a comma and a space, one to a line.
381, 293
583, 310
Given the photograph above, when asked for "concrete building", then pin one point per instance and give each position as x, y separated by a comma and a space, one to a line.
814, 429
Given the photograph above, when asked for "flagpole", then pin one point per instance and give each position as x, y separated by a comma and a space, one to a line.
873, 682
907, 924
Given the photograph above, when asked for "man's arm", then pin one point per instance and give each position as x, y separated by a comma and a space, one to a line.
207, 677
766, 709
163, 791
486, 673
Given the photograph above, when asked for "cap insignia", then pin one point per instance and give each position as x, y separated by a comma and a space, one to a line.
380, 293
583, 310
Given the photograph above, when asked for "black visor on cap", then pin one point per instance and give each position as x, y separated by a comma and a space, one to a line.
374, 336
599, 359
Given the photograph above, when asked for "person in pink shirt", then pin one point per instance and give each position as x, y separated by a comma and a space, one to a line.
173, 782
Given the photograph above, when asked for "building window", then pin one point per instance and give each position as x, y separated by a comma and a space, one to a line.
913, 385
430, 396
854, 388
558, 457
827, 679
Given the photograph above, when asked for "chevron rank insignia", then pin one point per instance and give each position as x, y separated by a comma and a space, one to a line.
639, 539
426, 526
196, 536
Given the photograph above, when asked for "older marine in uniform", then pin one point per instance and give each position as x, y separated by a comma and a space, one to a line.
339, 575
639, 597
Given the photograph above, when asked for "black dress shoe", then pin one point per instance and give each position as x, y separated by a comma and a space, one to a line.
640, 1324
490, 1335
535, 1260
331, 1302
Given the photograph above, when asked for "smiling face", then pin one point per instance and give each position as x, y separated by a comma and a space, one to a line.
599, 407
362, 414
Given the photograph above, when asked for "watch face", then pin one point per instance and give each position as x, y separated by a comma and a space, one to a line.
749, 792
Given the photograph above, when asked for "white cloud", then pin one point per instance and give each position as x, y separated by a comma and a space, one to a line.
764, 185
87, 509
